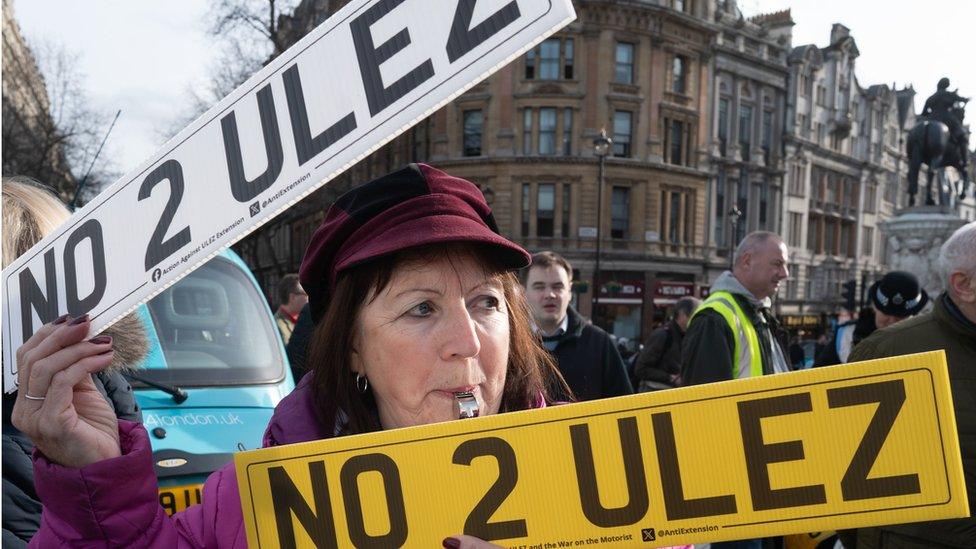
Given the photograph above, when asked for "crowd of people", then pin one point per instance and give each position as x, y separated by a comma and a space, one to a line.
408, 296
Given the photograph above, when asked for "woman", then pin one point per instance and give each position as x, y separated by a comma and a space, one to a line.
422, 302
30, 213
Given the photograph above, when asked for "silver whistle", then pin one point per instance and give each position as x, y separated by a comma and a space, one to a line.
466, 405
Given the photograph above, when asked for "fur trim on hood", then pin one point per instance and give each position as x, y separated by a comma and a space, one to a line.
130, 341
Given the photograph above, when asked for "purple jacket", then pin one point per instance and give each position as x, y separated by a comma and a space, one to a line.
115, 503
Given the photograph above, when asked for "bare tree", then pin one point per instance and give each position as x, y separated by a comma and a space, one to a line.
52, 136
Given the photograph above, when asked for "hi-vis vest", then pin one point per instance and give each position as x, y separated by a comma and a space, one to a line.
747, 358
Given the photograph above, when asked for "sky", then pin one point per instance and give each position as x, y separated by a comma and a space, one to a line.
144, 56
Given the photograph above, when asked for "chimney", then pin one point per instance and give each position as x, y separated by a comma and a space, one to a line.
838, 32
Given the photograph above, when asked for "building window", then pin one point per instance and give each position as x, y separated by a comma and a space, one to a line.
677, 211
568, 131
745, 131
526, 209
763, 191
720, 209
678, 76
545, 210
793, 282
621, 133
547, 130
723, 124
679, 5
527, 131
625, 63
550, 60
796, 181
813, 234
568, 58
796, 230
620, 212
473, 125
871, 197
868, 242
767, 134
676, 145
567, 191
830, 236
742, 203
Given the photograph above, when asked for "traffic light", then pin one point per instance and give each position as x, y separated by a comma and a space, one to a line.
848, 293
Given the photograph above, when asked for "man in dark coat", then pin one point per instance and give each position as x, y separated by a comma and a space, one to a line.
586, 356
951, 326
659, 366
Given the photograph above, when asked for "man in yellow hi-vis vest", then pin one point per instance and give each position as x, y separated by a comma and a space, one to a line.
733, 334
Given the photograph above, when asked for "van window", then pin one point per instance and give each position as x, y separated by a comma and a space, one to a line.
214, 329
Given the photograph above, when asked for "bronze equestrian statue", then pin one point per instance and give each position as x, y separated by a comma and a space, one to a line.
938, 141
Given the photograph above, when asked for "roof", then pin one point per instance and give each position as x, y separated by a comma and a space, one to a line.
774, 19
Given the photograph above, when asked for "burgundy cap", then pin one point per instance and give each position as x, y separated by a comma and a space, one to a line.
411, 207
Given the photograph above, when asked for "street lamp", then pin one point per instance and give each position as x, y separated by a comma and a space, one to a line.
601, 146
734, 215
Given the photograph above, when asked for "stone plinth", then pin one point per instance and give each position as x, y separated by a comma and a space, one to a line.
914, 237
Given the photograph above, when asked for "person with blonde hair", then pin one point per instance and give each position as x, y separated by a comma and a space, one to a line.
31, 212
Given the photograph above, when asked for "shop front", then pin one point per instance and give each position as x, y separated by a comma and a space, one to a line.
665, 294
620, 304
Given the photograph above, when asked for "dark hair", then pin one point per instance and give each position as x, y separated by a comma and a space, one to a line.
531, 374
287, 286
686, 305
548, 259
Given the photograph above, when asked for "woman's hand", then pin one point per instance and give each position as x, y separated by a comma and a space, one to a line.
57, 405
468, 542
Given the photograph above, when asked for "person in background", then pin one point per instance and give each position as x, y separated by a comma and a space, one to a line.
896, 297
736, 317
585, 354
950, 326
734, 335
30, 212
838, 347
291, 299
415, 299
659, 365
797, 357
297, 346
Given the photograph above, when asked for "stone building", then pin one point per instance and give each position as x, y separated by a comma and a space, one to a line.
748, 110
32, 144
846, 172
639, 70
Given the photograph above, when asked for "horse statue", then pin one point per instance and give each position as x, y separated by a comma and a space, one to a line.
930, 143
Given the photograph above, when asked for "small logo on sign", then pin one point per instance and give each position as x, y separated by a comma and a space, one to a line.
157, 274
647, 534
255, 208
172, 462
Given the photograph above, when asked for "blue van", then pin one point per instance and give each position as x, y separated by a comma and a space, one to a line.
215, 371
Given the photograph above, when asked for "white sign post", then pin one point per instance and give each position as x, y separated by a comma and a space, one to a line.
357, 81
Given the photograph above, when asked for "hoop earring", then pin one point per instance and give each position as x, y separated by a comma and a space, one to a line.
362, 383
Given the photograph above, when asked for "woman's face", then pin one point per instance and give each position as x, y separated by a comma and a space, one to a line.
439, 327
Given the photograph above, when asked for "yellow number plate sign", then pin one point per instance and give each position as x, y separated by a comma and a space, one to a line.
832, 448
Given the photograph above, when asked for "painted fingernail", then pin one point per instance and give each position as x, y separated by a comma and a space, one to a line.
452, 543
100, 340
61, 319
110, 351
81, 319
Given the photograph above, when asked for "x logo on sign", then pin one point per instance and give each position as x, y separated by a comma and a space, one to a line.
647, 534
